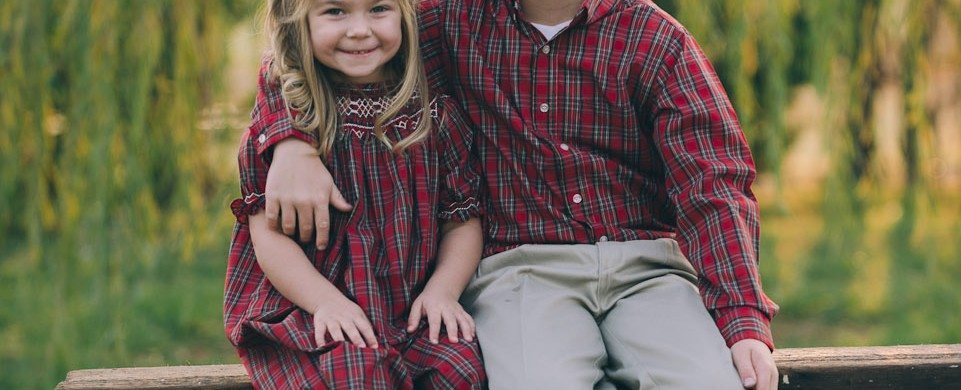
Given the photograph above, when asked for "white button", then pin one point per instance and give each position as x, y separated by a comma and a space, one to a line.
545, 107
262, 138
546, 49
565, 147
602, 239
577, 198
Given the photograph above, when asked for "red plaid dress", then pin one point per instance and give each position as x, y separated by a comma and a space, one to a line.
380, 256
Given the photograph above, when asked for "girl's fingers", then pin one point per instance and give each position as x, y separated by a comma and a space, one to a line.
414, 318
350, 329
450, 322
367, 332
466, 326
433, 325
320, 331
335, 332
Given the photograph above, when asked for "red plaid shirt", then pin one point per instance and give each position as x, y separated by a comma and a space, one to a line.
616, 129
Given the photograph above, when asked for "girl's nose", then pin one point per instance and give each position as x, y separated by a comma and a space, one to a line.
359, 28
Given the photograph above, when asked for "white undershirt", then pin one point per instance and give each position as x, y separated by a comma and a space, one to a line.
550, 31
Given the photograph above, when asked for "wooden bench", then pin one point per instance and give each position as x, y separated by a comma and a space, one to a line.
898, 367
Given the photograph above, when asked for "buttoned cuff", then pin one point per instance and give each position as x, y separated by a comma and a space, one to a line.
279, 131
743, 322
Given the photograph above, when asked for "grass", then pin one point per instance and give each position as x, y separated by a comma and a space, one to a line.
143, 305
884, 276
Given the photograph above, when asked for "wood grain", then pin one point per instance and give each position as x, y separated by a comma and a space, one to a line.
895, 367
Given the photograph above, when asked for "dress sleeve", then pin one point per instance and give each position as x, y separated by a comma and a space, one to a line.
460, 167
253, 179
271, 113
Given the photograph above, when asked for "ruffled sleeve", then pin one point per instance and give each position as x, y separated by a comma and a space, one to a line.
460, 167
253, 179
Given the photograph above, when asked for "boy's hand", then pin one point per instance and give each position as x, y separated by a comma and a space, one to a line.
755, 364
299, 190
344, 321
440, 308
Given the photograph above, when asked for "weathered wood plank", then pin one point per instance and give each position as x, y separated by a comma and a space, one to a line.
225, 376
897, 367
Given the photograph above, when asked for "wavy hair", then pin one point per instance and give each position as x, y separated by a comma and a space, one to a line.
306, 84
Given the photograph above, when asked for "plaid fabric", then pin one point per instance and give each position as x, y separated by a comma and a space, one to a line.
380, 255
616, 129
417, 364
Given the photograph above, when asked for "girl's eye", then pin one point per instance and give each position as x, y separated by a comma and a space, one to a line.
380, 8
333, 11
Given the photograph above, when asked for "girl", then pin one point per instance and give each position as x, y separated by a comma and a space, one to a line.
349, 315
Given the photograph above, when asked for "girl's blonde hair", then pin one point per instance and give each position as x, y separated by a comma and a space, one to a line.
306, 85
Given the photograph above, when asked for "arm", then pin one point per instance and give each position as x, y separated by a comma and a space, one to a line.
293, 275
299, 188
709, 175
462, 236
458, 255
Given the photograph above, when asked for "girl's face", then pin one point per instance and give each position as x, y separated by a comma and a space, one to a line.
355, 38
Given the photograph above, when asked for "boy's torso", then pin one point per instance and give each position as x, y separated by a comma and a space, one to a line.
563, 130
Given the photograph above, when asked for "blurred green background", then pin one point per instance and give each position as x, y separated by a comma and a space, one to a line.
119, 122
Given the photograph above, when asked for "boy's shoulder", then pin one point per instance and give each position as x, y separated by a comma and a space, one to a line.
652, 14
662, 32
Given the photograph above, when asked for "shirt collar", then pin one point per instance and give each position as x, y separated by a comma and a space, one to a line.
591, 10
597, 9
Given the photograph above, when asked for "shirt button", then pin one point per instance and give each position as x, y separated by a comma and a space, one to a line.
602, 239
546, 49
262, 138
545, 107
565, 147
577, 198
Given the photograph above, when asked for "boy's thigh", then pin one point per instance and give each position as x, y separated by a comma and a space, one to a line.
534, 327
659, 335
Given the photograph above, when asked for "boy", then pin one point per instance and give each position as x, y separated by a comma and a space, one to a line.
612, 157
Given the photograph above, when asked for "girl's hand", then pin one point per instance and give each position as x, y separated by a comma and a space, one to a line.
344, 321
441, 308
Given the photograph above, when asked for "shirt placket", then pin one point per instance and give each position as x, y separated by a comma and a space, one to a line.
549, 113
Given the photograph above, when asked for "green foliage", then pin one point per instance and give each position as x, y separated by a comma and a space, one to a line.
106, 182
762, 49
877, 282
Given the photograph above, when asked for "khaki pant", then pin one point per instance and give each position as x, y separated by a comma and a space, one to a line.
611, 315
